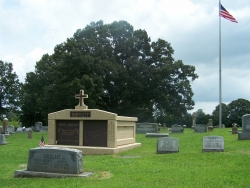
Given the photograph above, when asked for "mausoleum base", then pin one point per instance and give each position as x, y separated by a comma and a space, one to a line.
243, 136
86, 150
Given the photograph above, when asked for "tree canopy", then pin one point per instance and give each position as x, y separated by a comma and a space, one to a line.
9, 88
235, 110
119, 68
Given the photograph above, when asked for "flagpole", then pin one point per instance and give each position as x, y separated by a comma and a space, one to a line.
220, 98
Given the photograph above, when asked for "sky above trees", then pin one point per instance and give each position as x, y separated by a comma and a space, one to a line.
30, 29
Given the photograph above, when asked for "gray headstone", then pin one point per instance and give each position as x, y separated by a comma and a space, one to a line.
19, 130
20, 124
245, 134
200, 128
177, 129
55, 160
2, 139
167, 145
156, 135
38, 126
30, 133
11, 129
213, 144
44, 129
164, 125
146, 128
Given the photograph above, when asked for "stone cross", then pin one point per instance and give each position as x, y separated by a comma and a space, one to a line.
81, 97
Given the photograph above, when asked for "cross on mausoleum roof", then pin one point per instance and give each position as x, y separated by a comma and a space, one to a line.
81, 97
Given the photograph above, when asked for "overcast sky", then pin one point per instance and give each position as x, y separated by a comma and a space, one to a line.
31, 28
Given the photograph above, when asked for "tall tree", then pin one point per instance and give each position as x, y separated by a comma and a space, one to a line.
120, 69
9, 88
235, 110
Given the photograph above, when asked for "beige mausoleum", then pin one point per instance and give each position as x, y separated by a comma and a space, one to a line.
91, 130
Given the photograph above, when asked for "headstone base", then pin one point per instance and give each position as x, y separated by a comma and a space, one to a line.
243, 136
156, 135
212, 150
32, 174
7, 135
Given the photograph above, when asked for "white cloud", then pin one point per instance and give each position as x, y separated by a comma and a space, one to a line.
26, 63
31, 28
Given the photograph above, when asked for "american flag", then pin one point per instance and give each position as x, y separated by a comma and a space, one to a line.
225, 14
41, 144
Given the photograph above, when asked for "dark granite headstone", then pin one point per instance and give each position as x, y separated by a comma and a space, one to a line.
245, 134
67, 132
213, 143
200, 128
142, 128
167, 145
177, 129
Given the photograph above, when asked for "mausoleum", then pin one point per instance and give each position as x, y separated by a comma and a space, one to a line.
92, 131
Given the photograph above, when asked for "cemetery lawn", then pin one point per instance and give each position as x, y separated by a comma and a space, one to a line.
190, 167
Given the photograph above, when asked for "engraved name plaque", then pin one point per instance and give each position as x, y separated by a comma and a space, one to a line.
80, 114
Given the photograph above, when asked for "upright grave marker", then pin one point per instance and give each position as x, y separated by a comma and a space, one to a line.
234, 128
167, 145
210, 125
146, 127
11, 129
2, 139
213, 144
38, 126
53, 162
200, 128
245, 134
30, 133
177, 129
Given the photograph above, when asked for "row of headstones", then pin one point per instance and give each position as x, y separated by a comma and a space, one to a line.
142, 128
171, 144
10, 129
37, 128
3, 141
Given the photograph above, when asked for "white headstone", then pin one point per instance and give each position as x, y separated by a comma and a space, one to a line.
2, 139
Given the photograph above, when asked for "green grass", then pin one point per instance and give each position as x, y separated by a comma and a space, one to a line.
187, 168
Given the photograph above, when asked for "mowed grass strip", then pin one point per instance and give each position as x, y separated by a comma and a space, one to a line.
141, 167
